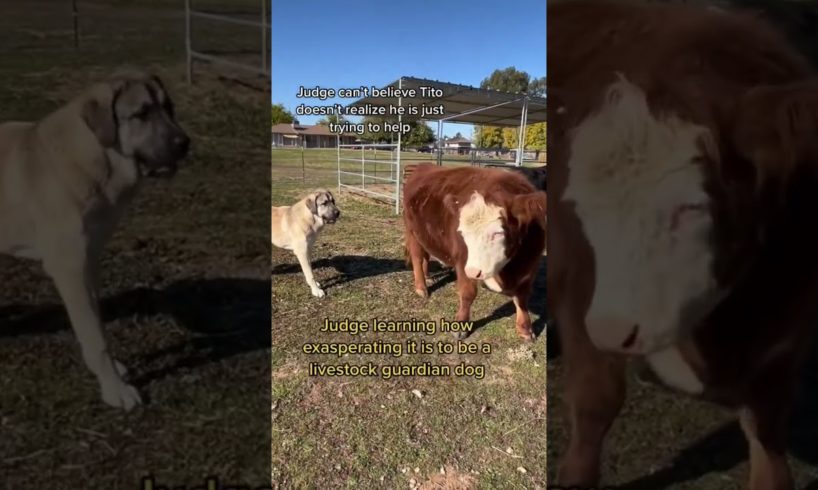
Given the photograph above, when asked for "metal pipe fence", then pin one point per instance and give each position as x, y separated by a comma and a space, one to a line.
192, 54
373, 170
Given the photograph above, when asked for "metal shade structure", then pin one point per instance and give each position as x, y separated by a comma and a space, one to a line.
451, 103
463, 104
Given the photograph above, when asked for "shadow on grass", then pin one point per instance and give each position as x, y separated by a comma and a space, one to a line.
349, 268
536, 304
726, 447
226, 317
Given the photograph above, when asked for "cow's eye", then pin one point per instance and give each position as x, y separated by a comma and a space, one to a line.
497, 235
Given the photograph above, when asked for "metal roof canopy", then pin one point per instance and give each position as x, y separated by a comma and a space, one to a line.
464, 104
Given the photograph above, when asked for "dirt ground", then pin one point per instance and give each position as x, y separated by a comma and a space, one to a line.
185, 285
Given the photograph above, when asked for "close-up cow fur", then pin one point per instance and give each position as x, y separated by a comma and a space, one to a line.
683, 146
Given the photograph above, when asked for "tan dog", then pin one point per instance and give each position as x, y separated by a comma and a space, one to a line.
296, 227
64, 182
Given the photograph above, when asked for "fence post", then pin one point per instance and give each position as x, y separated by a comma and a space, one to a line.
188, 47
338, 145
76, 21
264, 36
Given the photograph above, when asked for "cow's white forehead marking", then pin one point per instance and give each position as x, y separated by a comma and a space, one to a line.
477, 214
630, 174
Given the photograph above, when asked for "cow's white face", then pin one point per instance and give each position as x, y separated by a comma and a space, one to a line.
481, 225
638, 192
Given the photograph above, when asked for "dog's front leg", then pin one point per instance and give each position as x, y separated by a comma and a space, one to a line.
302, 253
75, 276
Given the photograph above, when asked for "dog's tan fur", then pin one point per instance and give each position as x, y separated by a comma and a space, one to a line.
296, 228
65, 181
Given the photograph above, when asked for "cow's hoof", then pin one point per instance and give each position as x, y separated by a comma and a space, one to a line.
460, 335
422, 293
527, 336
429, 282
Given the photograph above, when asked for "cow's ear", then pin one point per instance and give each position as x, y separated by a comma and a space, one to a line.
776, 128
450, 202
530, 207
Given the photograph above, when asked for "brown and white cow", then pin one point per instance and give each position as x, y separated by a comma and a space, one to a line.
683, 216
488, 224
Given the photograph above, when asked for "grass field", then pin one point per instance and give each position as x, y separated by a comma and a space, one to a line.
415, 432
185, 284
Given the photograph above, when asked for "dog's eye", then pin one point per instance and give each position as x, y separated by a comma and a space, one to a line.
141, 114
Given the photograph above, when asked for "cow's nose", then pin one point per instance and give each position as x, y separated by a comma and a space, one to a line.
615, 335
473, 272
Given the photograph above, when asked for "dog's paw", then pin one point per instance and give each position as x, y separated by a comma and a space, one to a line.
121, 395
318, 292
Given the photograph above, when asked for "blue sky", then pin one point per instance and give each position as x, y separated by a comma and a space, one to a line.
345, 44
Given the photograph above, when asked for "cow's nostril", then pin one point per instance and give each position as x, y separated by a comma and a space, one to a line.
479, 273
631, 339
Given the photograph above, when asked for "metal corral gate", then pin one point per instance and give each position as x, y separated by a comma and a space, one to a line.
192, 54
372, 169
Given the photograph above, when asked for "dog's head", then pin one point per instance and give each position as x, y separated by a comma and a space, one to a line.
322, 205
133, 114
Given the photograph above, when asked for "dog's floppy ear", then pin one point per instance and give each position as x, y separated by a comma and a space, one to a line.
98, 113
311, 204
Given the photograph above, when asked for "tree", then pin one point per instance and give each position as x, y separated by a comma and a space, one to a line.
510, 137
536, 137
488, 137
375, 136
508, 80
280, 114
538, 87
420, 135
331, 119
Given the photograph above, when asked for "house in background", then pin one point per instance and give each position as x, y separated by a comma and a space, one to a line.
295, 135
457, 144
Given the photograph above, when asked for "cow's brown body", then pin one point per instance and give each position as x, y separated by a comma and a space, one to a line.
431, 222
756, 96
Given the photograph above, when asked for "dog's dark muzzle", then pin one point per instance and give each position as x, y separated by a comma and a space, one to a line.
334, 216
175, 151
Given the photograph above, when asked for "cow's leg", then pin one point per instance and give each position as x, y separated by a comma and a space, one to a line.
427, 279
466, 292
595, 392
420, 259
764, 422
523, 320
